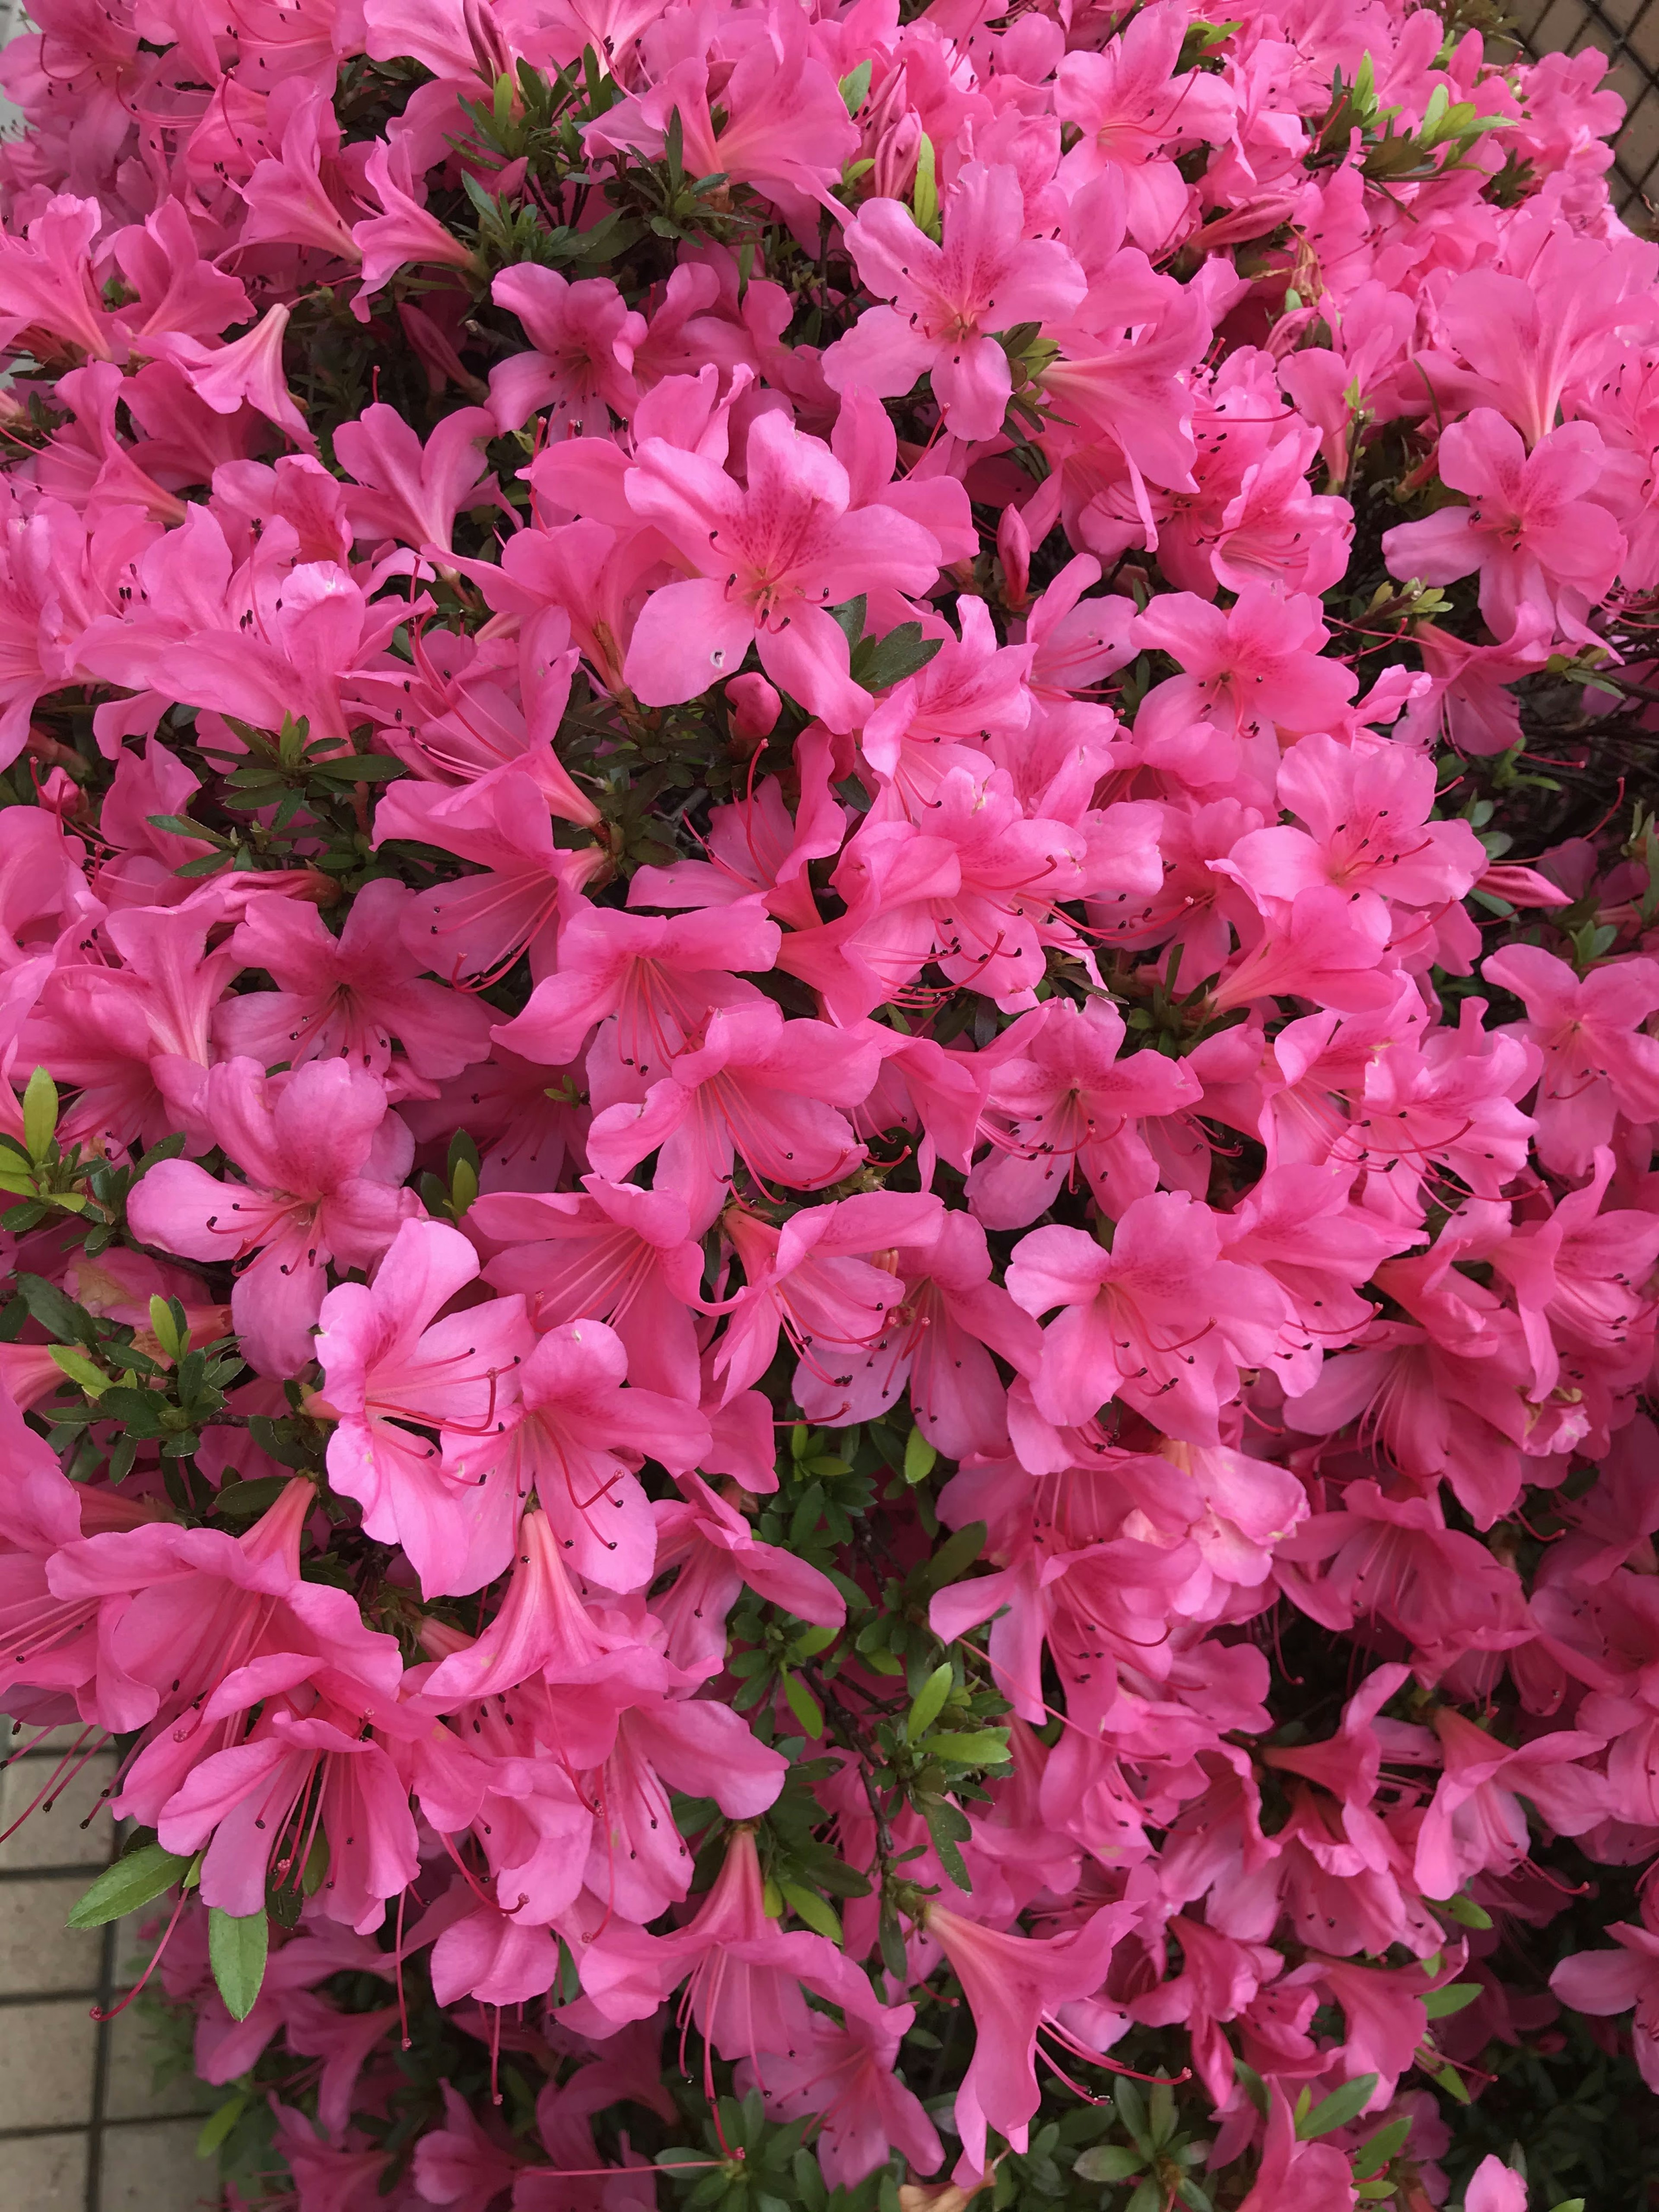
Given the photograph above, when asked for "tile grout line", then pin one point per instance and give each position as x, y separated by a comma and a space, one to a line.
101, 2072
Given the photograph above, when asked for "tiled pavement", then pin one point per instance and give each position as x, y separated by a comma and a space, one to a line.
1627, 32
81, 2127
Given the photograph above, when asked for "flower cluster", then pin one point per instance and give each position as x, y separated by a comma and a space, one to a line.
830, 1186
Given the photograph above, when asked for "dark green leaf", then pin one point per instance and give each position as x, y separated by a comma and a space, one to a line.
954, 1556
219, 2123
132, 1882
850, 617
1440, 2004
1335, 2111
238, 1948
1109, 2162
241, 1501
63, 1320
1375, 2151
904, 652
358, 767
279, 1440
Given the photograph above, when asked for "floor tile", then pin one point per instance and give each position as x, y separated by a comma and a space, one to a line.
48, 2174
155, 2169
39, 1953
129, 2089
55, 1837
46, 2079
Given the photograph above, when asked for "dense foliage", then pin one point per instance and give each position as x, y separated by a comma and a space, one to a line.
828, 939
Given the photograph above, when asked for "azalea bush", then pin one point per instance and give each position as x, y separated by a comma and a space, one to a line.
828, 925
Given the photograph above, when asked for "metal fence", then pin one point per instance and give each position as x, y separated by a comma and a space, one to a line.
1627, 32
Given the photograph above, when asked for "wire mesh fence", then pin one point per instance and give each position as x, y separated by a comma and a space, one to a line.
1627, 32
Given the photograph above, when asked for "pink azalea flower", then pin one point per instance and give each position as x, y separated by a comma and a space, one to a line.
778, 120
404, 232
357, 996
258, 1806
391, 1367
1015, 1987
1130, 106
1495, 2187
949, 299
622, 1255
810, 1281
246, 371
661, 979
412, 492
1072, 1104
1297, 2177
769, 559
1159, 1319
1475, 1822
850, 2075
583, 337
1528, 529
1612, 1982
717, 1554
758, 1089
1598, 1061
325, 1163
576, 1444
745, 1974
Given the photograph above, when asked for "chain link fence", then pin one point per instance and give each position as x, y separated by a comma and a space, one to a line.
1627, 33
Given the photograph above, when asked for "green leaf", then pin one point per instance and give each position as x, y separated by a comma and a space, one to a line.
1254, 2088
929, 1702
682, 2157
1452, 2082
1132, 2110
140, 1411
238, 1950
62, 1319
949, 1825
219, 2123
1109, 2162
1440, 2004
890, 1936
132, 1882
360, 767
279, 1440
1375, 2151
804, 1705
79, 1369
1463, 1910
181, 826
970, 1747
924, 197
918, 1457
241, 1501
39, 1114
811, 1641
165, 1326
904, 652
954, 1556
806, 1905
855, 87
1335, 2111
850, 617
